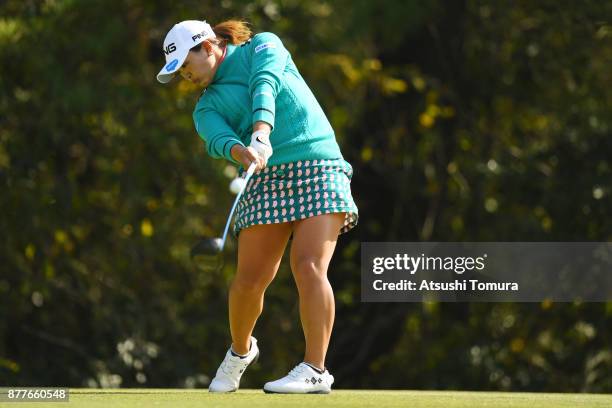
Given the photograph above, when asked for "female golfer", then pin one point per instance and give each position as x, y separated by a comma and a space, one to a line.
256, 108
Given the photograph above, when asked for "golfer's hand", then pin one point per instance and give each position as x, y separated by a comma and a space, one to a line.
260, 141
248, 155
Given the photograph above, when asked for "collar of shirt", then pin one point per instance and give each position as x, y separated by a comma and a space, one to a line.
223, 63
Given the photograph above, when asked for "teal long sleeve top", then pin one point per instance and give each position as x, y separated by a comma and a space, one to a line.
258, 81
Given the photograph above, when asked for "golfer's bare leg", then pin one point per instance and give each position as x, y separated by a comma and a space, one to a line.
260, 249
314, 241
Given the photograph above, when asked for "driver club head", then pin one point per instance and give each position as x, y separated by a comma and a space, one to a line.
206, 253
207, 246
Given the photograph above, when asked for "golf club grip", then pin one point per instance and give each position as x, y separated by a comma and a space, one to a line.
249, 173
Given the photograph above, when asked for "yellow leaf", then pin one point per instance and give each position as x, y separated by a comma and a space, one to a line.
517, 345
9, 364
426, 120
546, 304
393, 85
30, 251
491, 204
61, 236
433, 110
366, 154
418, 83
127, 230
146, 228
49, 271
152, 204
372, 64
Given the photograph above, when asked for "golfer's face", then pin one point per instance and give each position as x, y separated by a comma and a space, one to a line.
198, 67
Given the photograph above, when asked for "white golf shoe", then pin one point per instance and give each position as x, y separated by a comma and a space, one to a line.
231, 369
301, 380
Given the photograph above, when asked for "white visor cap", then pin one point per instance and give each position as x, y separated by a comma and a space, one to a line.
179, 40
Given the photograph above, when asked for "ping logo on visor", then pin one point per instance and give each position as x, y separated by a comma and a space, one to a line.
171, 65
206, 33
170, 48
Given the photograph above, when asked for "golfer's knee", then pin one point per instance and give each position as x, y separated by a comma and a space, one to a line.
250, 284
310, 271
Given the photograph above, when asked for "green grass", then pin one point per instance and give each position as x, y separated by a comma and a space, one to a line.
124, 398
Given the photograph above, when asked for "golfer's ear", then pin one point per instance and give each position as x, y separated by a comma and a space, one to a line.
207, 46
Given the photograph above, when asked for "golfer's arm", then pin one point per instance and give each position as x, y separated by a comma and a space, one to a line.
268, 63
219, 137
260, 125
237, 148
235, 152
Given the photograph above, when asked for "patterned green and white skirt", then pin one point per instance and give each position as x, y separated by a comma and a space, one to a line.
298, 190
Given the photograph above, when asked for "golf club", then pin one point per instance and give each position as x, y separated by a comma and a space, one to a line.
209, 248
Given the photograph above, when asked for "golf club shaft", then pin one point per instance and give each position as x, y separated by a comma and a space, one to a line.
249, 173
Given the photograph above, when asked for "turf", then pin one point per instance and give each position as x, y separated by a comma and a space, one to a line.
128, 398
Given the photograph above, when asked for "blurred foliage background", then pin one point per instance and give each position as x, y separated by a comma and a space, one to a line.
464, 120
